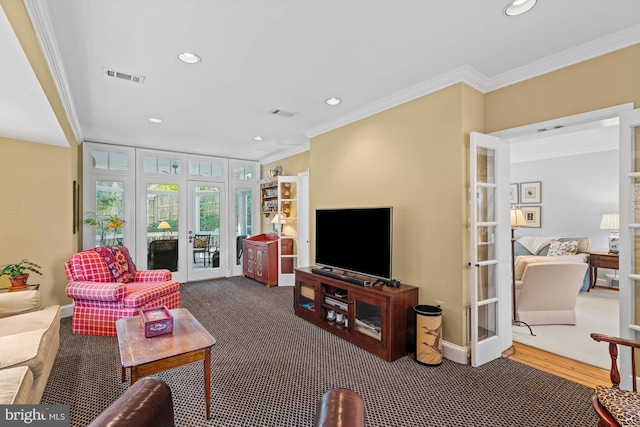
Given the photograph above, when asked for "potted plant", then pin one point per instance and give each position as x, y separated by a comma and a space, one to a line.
103, 224
18, 273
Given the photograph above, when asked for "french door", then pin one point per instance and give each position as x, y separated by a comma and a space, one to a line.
489, 254
629, 256
206, 236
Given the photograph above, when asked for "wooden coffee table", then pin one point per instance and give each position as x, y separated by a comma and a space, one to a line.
189, 342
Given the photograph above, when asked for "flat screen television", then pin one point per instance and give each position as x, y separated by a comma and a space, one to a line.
356, 240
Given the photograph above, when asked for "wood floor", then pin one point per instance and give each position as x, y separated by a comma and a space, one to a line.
569, 369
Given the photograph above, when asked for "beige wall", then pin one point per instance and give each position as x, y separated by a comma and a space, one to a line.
36, 213
291, 166
601, 82
411, 157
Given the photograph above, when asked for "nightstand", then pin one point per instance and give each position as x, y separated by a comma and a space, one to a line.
601, 260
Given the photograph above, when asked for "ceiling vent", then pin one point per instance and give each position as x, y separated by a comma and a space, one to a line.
124, 76
278, 112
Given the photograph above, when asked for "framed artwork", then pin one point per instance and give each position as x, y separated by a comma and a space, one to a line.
531, 215
76, 206
513, 194
530, 192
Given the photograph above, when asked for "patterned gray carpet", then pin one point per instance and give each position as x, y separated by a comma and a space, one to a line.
269, 368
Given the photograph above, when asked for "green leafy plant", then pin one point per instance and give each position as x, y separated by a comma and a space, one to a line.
105, 223
20, 268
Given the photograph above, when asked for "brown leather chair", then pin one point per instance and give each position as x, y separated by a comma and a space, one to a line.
340, 407
147, 402
612, 405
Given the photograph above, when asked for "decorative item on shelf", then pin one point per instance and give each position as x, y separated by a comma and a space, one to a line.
611, 221
164, 226
18, 273
277, 222
277, 171
517, 220
286, 209
156, 321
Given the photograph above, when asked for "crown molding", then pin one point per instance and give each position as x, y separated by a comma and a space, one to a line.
467, 74
292, 151
601, 46
39, 15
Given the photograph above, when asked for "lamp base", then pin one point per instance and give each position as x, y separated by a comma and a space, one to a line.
613, 243
520, 323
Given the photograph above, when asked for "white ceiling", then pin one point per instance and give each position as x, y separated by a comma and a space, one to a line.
262, 55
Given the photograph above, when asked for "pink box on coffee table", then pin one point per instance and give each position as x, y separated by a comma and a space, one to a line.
156, 321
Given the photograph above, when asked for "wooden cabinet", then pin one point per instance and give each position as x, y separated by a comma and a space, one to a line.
378, 319
260, 258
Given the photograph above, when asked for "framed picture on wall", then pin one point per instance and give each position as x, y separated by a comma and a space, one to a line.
530, 192
513, 194
531, 215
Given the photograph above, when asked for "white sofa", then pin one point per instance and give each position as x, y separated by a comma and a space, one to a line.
547, 289
29, 339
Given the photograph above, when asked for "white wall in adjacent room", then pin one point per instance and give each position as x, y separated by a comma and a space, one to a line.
576, 190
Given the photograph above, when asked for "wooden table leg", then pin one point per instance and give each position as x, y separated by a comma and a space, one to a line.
207, 380
124, 373
133, 372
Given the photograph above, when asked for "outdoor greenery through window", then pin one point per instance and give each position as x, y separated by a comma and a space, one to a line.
107, 219
162, 205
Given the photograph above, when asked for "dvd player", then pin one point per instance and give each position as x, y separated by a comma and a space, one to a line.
338, 276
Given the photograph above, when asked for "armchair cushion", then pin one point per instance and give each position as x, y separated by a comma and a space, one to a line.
623, 405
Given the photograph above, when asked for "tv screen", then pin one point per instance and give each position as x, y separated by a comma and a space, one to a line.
355, 239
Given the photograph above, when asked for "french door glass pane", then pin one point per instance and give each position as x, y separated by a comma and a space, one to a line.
207, 220
487, 282
163, 210
243, 219
486, 321
486, 204
109, 213
486, 243
486, 165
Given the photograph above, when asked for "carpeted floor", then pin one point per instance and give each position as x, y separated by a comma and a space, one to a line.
269, 368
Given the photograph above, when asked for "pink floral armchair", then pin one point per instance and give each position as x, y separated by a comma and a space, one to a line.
105, 286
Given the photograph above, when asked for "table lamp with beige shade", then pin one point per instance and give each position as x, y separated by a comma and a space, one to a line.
611, 221
165, 226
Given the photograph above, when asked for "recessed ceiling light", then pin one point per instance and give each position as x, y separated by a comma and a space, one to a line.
155, 120
258, 138
518, 7
333, 101
189, 58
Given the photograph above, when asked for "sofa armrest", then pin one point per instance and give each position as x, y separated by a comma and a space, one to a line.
148, 402
161, 275
96, 291
12, 303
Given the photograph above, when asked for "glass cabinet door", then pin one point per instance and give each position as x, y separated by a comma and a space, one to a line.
307, 296
368, 315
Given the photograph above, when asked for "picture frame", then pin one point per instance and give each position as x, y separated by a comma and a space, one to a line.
530, 192
532, 214
514, 194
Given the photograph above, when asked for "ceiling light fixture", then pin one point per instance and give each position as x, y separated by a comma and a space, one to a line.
333, 101
518, 7
258, 138
155, 120
189, 58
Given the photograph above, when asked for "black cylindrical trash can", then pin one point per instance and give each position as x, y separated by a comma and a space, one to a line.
428, 334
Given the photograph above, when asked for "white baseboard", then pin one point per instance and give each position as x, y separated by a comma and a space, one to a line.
66, 310
455, 353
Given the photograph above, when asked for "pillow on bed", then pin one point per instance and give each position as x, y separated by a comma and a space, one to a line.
563, 248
